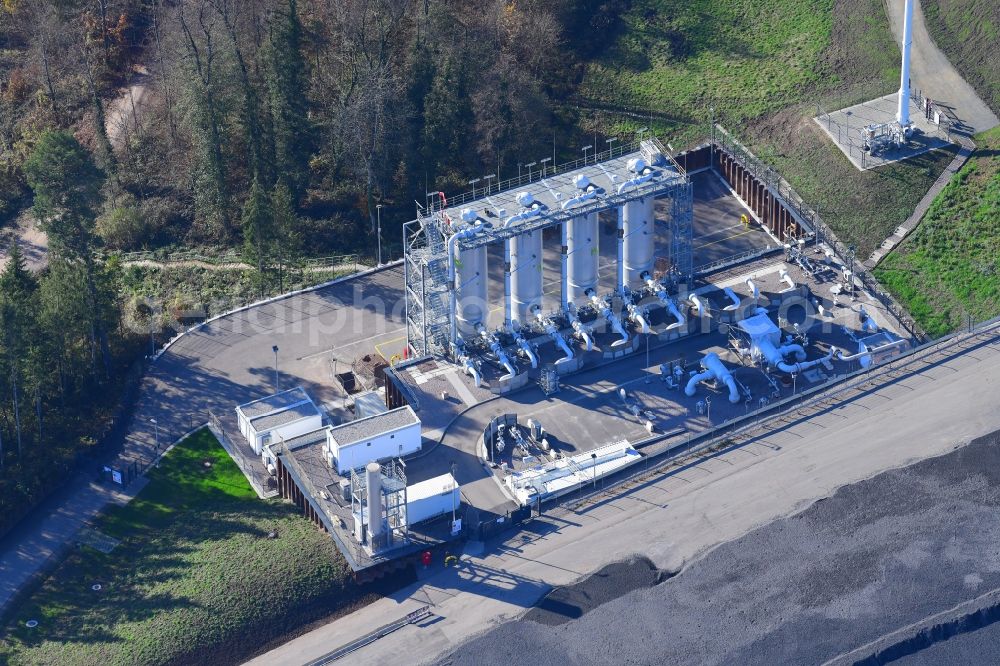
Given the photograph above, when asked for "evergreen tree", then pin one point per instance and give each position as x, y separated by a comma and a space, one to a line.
258, 230
446, 124
288, 240
287, 81
67, 184
18, 291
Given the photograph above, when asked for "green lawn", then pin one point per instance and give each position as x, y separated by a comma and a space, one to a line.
862, 207
195, 579
949, 267
765, 67
680, 57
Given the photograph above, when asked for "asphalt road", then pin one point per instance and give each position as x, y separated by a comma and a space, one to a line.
931, 72
225, 363
676, 519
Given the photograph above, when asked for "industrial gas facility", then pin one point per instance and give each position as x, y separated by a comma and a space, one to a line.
562, 329
567, 327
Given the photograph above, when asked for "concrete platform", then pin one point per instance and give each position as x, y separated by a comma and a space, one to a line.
844, 126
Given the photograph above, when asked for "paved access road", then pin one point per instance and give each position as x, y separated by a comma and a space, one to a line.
225, 363
931, 72
673, 520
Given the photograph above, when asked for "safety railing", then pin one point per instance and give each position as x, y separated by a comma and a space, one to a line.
807, 403
533, 175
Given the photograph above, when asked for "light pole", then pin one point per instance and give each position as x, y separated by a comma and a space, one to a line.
378, 214
795, 376
488, 179
518, 173
473, 183
529, 165
156, 433
851, 250
275, 350
641, 131
593, 456
708, 408
547, 159
585, 149
454, 504
647, 358
609, 142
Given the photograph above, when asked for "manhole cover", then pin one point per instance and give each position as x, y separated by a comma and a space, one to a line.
96, 587
31, 624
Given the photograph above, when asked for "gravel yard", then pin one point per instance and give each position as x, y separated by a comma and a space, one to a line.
879, 555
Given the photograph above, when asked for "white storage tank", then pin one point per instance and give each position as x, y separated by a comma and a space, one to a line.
583, 254
471, 283
525, 275
640, 238
373, 480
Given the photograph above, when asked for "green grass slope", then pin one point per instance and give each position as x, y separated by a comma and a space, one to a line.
968, 31
862, 207
766, 67
949, 267
678, 57
195, 579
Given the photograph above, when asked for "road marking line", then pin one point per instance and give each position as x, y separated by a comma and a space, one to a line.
723, 240
349, 344
378, 347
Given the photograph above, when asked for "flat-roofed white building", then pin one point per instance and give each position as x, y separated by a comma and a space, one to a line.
392, 434
280, 416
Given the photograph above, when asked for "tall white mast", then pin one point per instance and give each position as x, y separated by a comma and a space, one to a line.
903, 113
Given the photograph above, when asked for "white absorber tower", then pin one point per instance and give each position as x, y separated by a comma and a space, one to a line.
580, 247
524, 260
471, 284
638, 234
636, 229
583, 254
373, 480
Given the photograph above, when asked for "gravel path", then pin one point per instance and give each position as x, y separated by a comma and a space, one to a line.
878, 555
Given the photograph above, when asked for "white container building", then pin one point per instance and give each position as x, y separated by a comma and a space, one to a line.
432, 498
280, 416
393, 434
